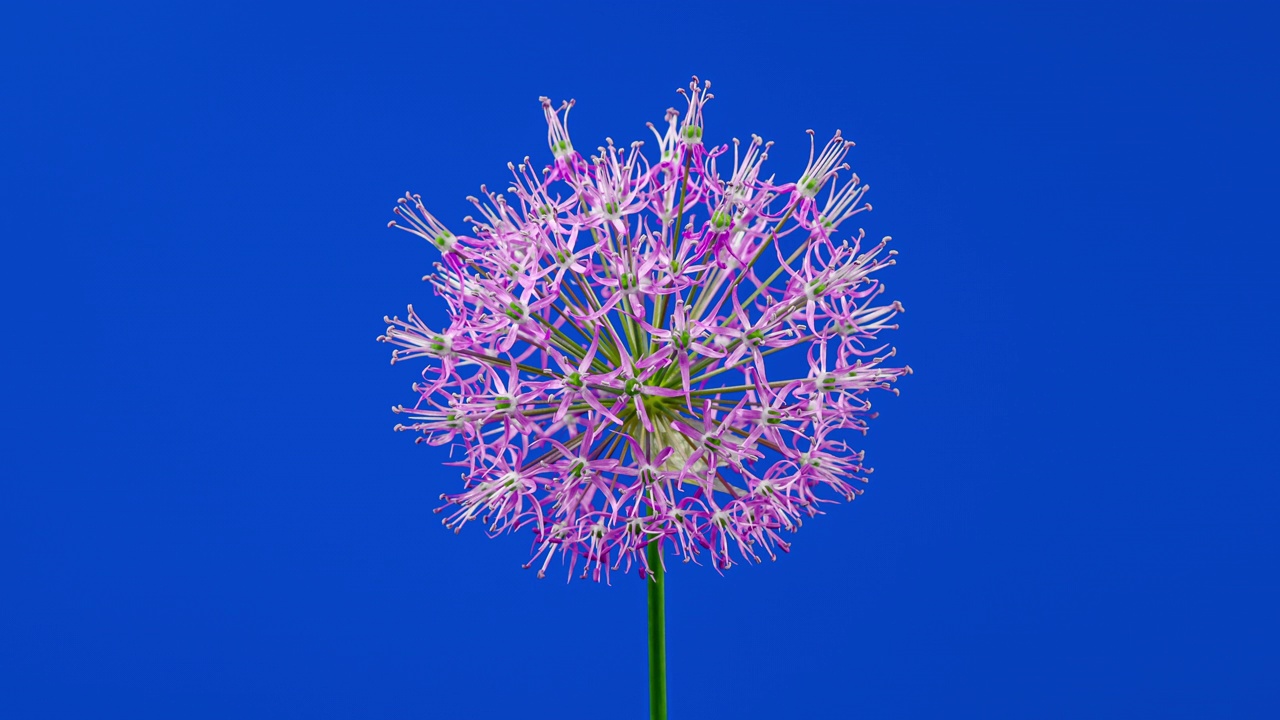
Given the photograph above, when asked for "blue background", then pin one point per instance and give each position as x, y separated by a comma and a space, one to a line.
205, 512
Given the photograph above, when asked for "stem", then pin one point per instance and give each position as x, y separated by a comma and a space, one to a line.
705, 299
776, 273
677, 238
726, 368
591, 294
739, 388
677, 244
657, 636
657, 617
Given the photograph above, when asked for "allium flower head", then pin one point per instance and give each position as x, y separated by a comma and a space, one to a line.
604, 366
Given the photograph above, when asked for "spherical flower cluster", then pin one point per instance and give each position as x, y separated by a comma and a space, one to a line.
606, 365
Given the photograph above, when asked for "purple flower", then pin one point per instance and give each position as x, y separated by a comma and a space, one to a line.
604, 364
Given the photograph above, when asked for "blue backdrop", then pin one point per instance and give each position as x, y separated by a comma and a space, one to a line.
205, 512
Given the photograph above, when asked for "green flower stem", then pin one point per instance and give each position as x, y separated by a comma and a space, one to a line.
726, 368
677, 243
769, 281
700, 303
740, 388
657, 637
